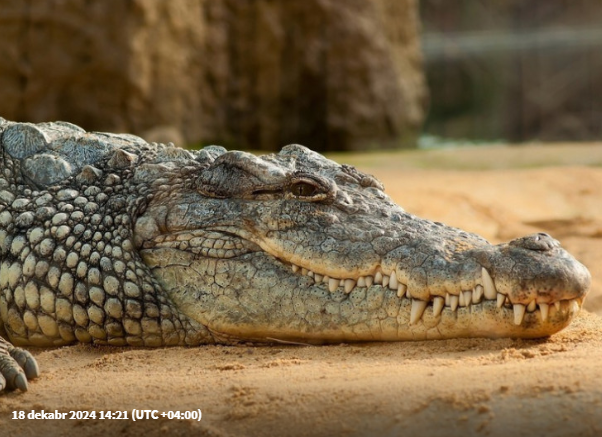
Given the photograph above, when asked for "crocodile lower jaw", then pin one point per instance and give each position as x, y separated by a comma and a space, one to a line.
478, 294
483, 320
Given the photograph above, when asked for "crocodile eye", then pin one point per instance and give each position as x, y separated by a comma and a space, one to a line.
303, 189
310, 188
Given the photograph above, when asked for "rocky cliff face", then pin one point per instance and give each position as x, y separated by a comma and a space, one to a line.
250, 73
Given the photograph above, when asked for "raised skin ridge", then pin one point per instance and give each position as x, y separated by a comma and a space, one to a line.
107, 239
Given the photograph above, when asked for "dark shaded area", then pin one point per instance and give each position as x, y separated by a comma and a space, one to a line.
517, 70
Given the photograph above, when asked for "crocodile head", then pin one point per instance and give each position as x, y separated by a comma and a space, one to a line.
107, 238
296, 247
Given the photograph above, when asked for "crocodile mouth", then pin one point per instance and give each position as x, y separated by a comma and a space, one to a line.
484, 292
482, 299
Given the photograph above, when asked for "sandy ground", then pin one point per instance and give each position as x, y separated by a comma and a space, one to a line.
462, 387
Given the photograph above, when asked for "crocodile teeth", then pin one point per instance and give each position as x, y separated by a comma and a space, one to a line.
304, 271
465, 298
453, 302
500, 300
385, 281
532, 306
519, 313
557, 305
378, 278
402, 289
318, 278
326, 279
295, 268
447, 300
369, 281
438, 305
574, 305
544, 308
408, 295
333, 284
477, 294
349, 285
361, 282
418, 307
393, 281
488, 285
310, 274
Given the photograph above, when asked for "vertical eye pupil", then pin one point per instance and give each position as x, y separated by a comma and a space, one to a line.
303, 189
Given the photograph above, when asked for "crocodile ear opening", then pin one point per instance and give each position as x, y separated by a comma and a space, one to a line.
225, 181
240, 175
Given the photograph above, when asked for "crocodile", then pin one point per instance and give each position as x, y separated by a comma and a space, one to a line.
108, 239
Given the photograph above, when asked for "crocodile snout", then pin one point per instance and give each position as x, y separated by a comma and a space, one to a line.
537, 269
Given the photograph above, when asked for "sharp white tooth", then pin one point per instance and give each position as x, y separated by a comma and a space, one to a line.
557, 305
408, 295
378, 278
318, 278
467, 298
304, 272
500, 300
544, 308
361, 282
401, 290
488, 285
418, 307
385, 281
519, 313
369, 281
461, 299
326, 279
438, 305
310, 274
447, 300
393, 281
333, 284
477, 294
532, 306
349, 285
453, 302
574, 306
295, 268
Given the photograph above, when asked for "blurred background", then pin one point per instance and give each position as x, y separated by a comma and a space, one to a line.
341, 76
513, 70
334, 75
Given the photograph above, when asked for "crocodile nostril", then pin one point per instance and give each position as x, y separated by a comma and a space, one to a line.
540, 241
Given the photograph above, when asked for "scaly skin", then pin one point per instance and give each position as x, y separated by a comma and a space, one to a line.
107, 239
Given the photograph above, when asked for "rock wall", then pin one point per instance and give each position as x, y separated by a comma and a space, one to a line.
245, 73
